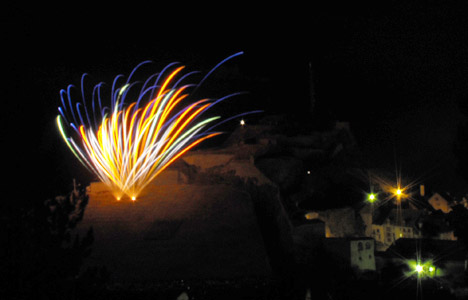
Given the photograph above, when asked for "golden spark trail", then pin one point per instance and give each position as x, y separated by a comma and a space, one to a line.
132, 145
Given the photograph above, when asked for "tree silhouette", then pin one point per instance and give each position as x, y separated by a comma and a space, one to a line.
42, 258
458, 220
460, 145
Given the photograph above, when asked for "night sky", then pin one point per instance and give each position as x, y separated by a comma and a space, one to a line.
396, 72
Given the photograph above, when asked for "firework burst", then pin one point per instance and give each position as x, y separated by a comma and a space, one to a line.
128, 144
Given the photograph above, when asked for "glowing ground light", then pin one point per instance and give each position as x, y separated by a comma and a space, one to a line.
129, 143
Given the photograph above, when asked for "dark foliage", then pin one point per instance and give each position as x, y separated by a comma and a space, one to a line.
458, 220
460, 149
42, 257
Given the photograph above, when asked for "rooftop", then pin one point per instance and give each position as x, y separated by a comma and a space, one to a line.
439, 250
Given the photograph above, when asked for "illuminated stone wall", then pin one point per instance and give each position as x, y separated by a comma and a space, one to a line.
175, 231
180, 230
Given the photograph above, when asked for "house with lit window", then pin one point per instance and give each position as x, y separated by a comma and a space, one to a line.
392, 224
389, 223
355, 252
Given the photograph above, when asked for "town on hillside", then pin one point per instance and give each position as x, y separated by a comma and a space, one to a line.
278, 202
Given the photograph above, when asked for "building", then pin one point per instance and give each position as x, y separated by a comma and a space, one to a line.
439, 202
358, 252
184, 225
392, 224
339, 222
435, 225
311, 229
388, 223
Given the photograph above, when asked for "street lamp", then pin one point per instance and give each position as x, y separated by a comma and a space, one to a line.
398, 193
419, 268
422, 269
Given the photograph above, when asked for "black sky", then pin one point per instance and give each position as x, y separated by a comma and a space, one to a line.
395, 71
